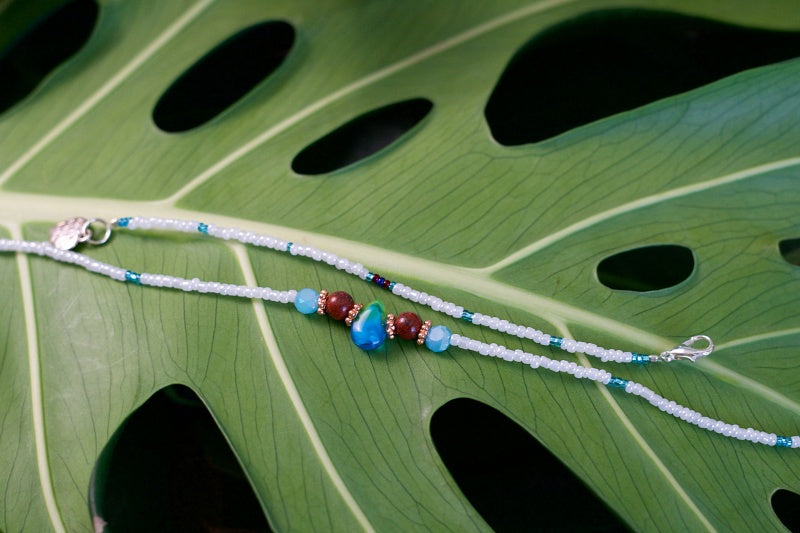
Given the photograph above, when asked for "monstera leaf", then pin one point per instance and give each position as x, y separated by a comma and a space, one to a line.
330, 437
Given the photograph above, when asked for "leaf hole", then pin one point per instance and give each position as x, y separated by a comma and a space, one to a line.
649, 268
42, 46
786, 505
609, 61
169, 468
790, 251
514, 482
223, 76
361, 137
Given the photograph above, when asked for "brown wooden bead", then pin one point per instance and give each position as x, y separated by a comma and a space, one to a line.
339, 305
406, 325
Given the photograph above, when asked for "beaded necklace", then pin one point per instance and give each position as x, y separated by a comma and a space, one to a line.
370, 326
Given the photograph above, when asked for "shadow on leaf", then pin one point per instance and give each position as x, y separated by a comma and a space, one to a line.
649, 268
606, 62
42, 47
168, 468
514, 482
223, 76
361, 137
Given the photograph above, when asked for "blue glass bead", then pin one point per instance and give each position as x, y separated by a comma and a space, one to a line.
467, 315
123, 222
306, 301
202, 228
368, 330
438, 339
556, 341
618, 383
783, 442
133, 277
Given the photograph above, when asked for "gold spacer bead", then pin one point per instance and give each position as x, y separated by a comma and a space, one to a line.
352, 314
322, 299
423, 332
390, 326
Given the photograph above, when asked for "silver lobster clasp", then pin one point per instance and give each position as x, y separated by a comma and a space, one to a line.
687, 351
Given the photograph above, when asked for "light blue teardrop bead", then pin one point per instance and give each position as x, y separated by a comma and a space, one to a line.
368, 330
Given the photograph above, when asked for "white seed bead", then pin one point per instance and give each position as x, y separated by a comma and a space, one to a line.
545, 340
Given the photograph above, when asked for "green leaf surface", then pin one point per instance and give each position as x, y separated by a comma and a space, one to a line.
330, 437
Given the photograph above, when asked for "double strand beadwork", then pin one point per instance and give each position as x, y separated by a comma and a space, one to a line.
370, 326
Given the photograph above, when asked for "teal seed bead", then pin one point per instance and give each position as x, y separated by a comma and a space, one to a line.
368, 330
306, 301
438, 339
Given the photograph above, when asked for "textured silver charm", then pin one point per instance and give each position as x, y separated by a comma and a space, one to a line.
67, 234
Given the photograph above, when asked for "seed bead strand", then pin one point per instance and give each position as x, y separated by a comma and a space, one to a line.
153, 280
404, 291
369, 329
630, 387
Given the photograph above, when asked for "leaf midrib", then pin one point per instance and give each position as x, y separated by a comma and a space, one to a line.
22, 208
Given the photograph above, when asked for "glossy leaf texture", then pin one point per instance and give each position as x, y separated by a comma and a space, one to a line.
333, 438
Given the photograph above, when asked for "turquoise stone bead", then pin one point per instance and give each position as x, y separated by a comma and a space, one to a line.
438, 339
368, 330
306, 301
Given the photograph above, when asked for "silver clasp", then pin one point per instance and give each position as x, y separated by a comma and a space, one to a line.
67, 234
687, 351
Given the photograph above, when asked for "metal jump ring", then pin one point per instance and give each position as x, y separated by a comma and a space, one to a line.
87, 231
